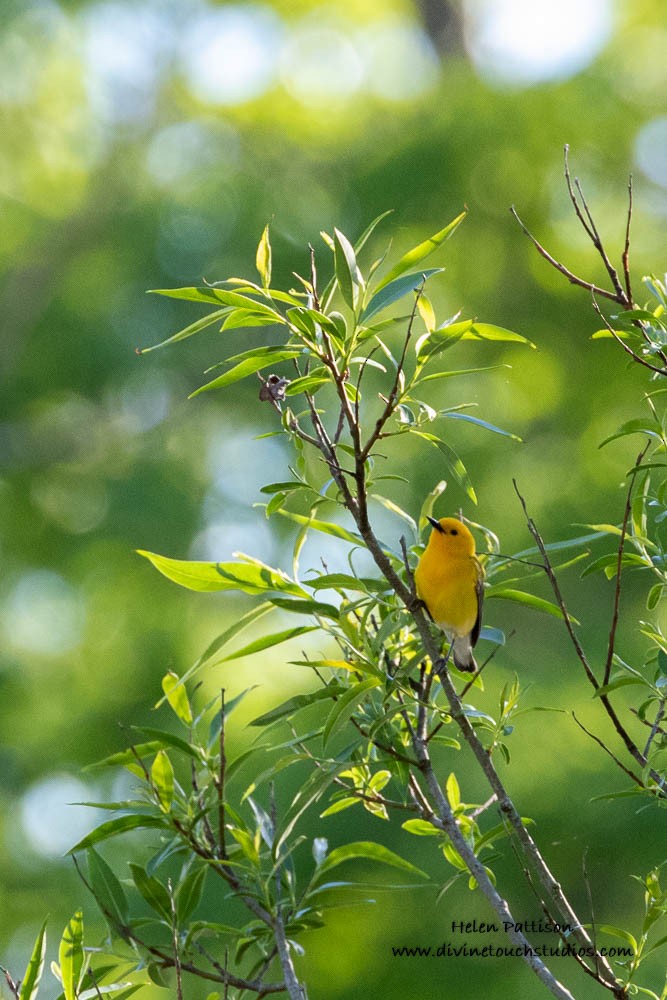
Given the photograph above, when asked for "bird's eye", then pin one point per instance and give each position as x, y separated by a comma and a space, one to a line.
454, 531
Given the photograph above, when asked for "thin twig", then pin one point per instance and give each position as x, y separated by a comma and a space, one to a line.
626, 347
390, 404
619, 565
626, 248
603, 745
571, 277
655, 728
175, 942
592, 231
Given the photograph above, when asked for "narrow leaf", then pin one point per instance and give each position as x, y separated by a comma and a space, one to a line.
422, 251
267, 641
260, 358
297, 702
177, 697
70, 956
364, 849
152, 890
345, 706
250, 577
391, 292
114, 827
530, 600
107, 889
188, 331
263, 258
162, 777
35, 967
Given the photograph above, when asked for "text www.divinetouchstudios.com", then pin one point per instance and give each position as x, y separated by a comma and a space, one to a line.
556, 948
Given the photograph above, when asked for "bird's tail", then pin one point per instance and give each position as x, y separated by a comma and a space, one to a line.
462, 654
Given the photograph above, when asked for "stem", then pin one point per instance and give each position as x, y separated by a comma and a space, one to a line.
221, 780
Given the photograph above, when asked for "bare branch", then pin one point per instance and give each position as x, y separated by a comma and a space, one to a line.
619, 565
571, 277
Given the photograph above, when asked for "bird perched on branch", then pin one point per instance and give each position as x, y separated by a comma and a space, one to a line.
450, 581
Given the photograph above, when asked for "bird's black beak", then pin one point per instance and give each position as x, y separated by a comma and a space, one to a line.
435, 523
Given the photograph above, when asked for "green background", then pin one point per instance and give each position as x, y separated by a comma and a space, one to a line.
124, 166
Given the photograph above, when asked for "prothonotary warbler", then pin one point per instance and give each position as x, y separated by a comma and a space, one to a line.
450, 581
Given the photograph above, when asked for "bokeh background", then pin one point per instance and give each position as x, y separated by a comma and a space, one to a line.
145, 145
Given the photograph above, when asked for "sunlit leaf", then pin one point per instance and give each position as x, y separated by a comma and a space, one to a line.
33, 973
487, 331
453, 461
188, 331
177, 697
251, 577
299, 701
263, 258
162, 778
253, 361
364, 849
115, 827
267, 641
482, 423
348, 275
421, 251
70, 956
391, 292
529, 600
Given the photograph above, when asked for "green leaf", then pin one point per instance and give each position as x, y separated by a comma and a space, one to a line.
618, 932
482, 423
429, 503
249, 618
250, 576
388, 293
421, 251
70, 956
114, 827
487, 331
307, 383
35, 967
267, 641
363, 849
298, 607
152, 890
297, 702
436, 341
162, 778
188, 331
107, 889
253, 362
638, 426
395, 509
348, 275
190, 892
344, 581
529, 600
619, 682
263, 258
177, 697
421, 828
460, 371
327, 527
455, 464
345, 706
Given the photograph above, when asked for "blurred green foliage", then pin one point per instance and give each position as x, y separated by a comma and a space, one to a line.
126, 166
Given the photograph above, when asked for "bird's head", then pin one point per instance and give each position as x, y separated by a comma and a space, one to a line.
451, 536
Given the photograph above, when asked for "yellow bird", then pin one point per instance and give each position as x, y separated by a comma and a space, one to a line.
450, 581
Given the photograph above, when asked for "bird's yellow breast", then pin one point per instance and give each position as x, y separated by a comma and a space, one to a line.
447, 578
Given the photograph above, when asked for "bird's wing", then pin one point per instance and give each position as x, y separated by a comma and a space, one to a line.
479, 591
